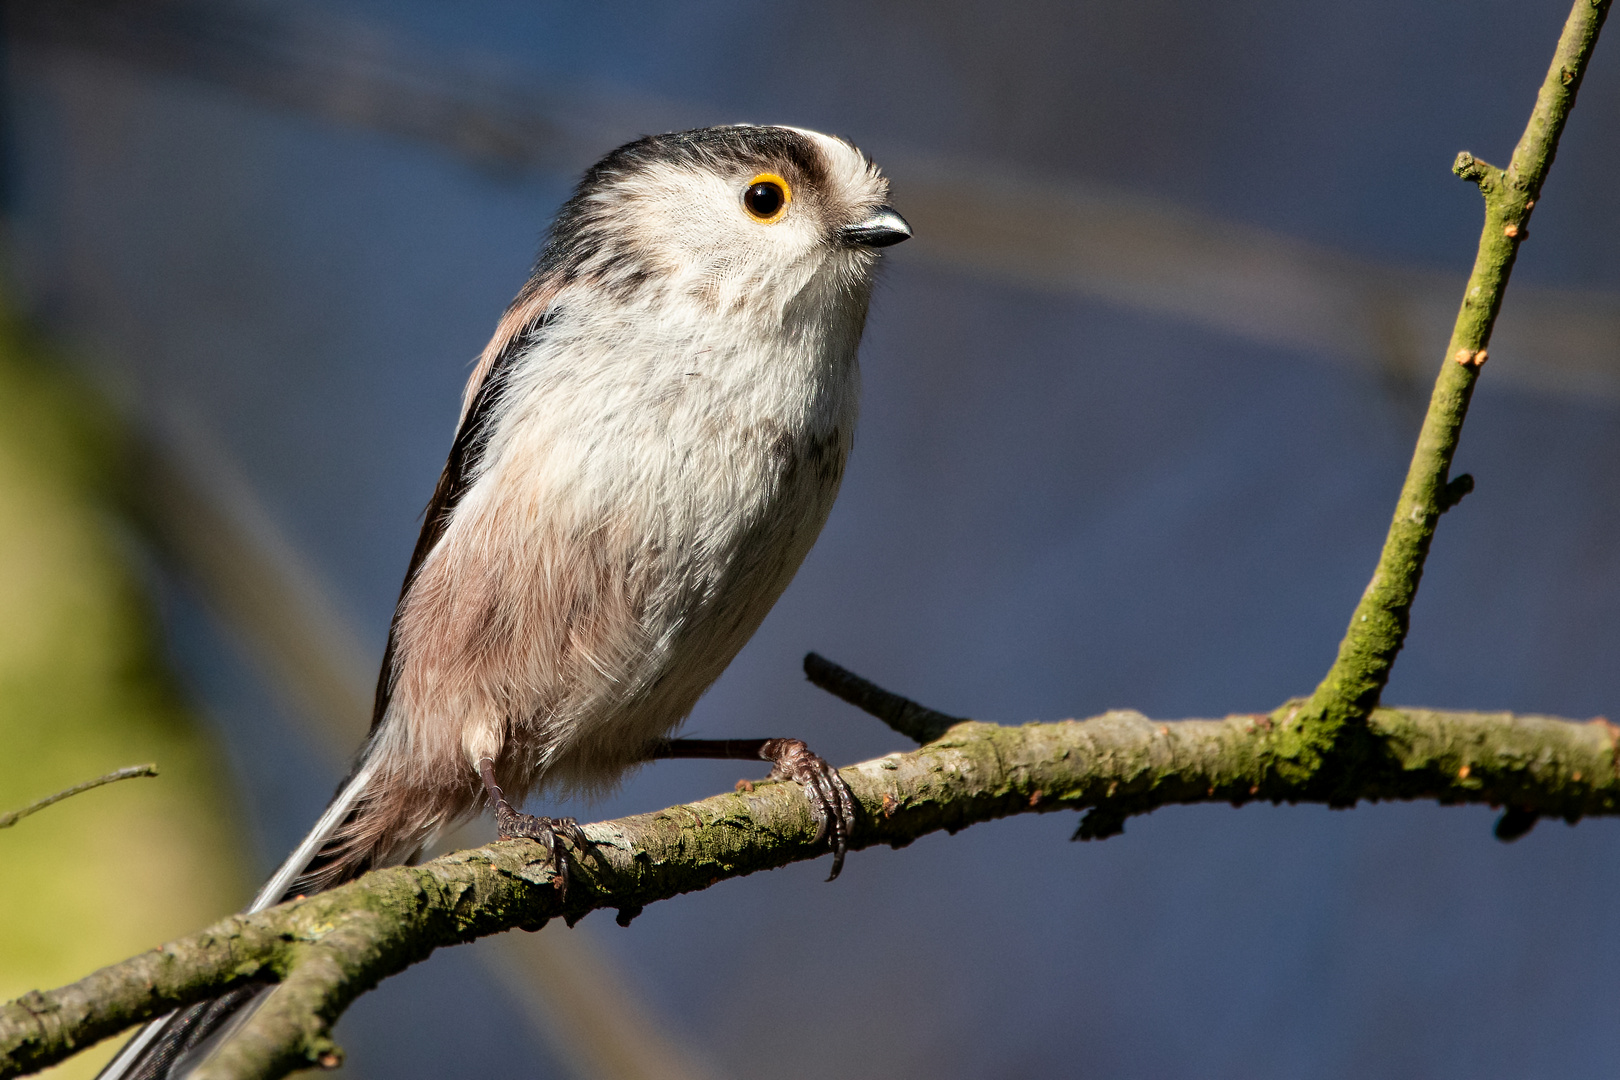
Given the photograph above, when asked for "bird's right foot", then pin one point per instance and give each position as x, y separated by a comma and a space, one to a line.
832, 804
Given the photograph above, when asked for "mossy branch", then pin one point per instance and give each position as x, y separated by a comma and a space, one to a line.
1332, 734
327, 949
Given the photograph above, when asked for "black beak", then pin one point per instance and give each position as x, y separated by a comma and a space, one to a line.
881, 228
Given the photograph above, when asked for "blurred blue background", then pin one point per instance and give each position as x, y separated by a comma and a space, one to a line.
1060, 501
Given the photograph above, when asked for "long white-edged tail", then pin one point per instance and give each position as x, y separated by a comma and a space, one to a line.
169, 1045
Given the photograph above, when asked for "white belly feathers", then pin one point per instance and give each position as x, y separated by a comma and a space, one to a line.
608, 568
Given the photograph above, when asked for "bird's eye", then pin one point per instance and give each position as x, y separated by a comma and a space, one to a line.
766, 198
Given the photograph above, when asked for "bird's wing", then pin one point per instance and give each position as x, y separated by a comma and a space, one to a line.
526, 316
182, 1037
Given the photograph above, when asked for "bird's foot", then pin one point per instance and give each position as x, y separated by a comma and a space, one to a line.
831, 802
512, 825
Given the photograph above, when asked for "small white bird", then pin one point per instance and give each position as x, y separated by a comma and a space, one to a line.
648, 447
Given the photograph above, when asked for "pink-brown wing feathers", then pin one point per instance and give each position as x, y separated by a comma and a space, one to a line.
523, 316
369, 830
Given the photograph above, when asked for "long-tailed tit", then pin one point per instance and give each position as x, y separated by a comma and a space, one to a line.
647, 449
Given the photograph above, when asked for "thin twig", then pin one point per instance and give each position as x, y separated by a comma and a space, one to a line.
1333, 722
130, 772
914, 721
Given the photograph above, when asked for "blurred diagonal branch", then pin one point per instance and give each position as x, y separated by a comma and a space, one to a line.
329, 948
351, 72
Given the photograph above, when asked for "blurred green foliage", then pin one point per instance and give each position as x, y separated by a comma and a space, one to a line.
83, 691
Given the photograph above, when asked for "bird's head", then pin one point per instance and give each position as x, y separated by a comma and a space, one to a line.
742, 220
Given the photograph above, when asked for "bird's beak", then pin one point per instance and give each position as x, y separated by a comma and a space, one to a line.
880, 228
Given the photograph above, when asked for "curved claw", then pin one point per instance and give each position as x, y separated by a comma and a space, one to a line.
832, 804
511, 824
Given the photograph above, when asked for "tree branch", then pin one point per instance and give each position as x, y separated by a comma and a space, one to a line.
1332, 733
327, 949
916, 722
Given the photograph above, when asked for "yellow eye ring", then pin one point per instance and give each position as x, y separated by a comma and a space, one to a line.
766, 198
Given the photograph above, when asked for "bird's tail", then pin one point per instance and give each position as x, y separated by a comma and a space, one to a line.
171, 1045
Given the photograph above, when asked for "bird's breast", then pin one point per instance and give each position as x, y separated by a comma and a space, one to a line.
633, 521
636, 510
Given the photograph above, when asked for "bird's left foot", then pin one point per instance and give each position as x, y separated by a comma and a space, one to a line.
831, 802
510, 824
